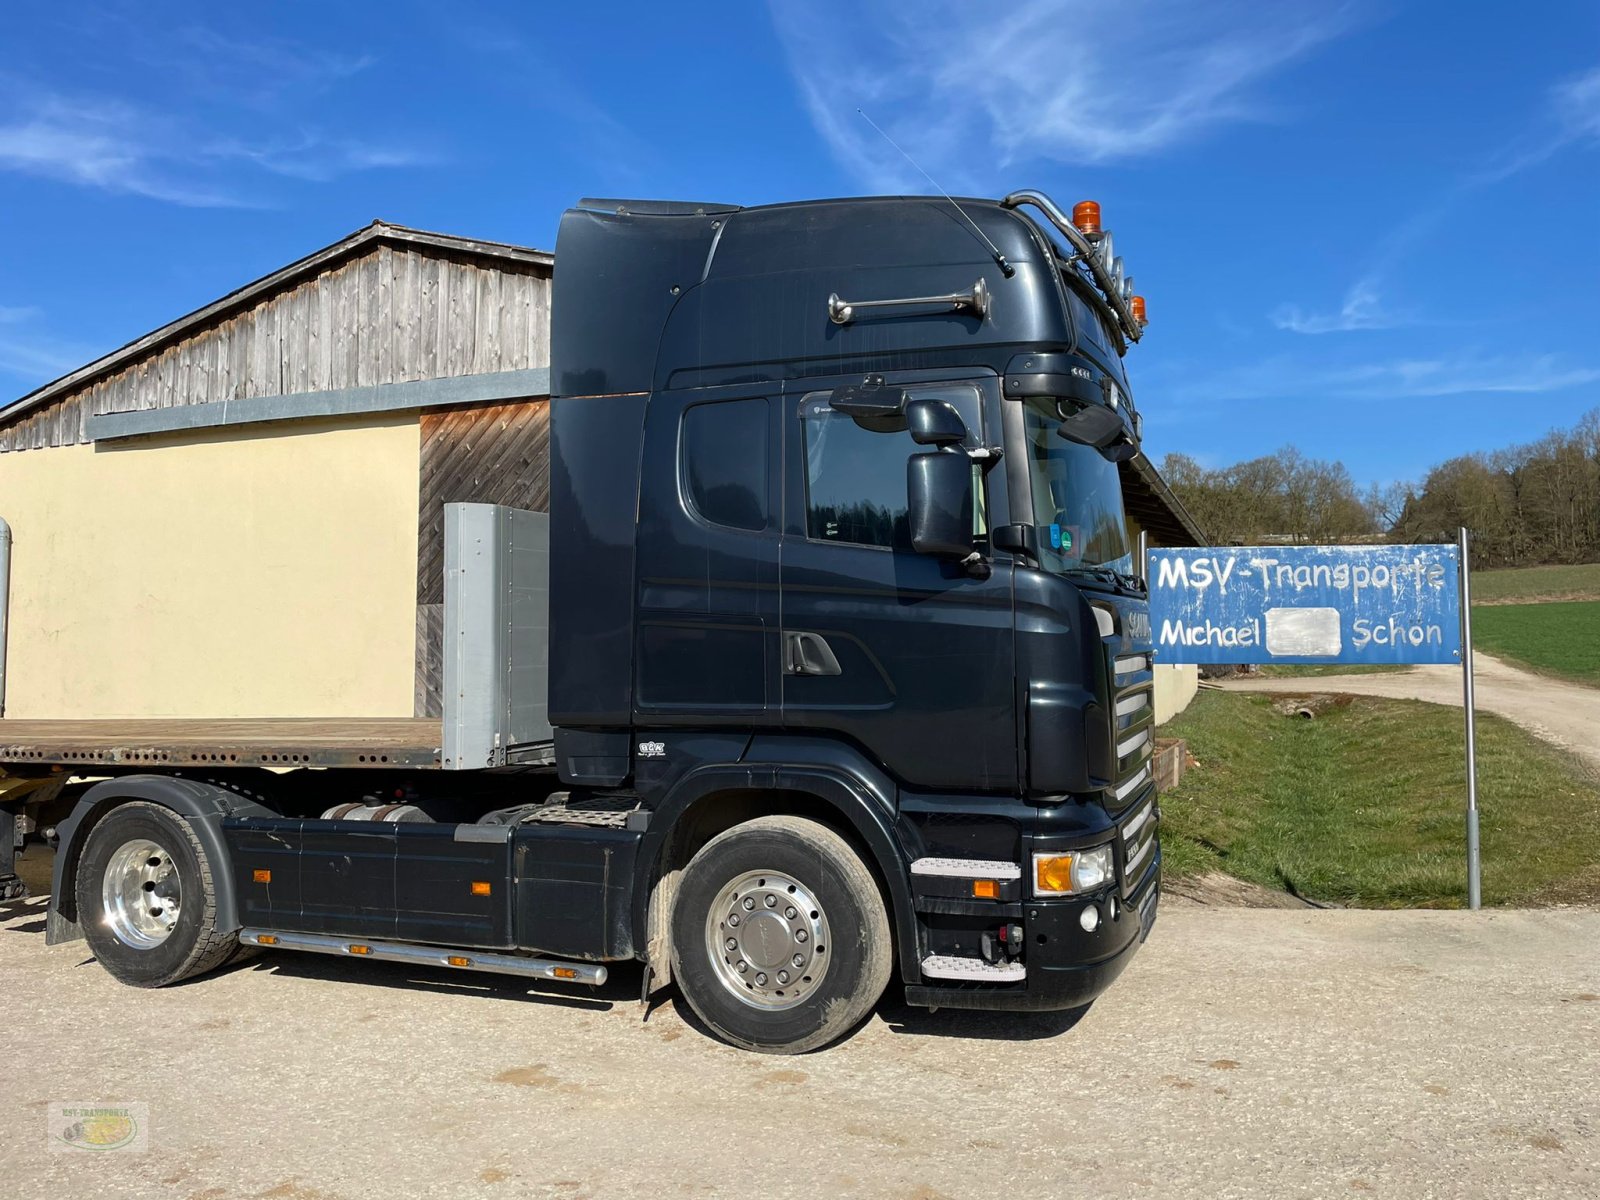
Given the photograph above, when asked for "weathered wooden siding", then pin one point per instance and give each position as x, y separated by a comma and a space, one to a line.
489, 453
395, 313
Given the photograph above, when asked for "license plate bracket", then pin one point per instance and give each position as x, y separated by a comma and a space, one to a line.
1147, 912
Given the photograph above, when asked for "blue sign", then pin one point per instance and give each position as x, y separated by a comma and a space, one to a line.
1306, 604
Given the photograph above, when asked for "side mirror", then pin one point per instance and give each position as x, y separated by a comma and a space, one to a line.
1092, 425
1101, 428
939, 503
935, 423
873, 404
1120, 451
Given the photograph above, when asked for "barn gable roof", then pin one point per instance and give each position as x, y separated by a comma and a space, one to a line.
356, 244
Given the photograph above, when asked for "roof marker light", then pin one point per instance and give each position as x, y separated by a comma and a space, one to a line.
1086, 216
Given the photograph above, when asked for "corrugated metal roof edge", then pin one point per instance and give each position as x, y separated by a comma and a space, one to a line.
1145, 470
378, 231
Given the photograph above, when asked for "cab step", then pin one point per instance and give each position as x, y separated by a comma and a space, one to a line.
975, 970
966, 868
427, 956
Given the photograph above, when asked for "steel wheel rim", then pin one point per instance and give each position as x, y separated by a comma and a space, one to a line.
141, 894
768, 940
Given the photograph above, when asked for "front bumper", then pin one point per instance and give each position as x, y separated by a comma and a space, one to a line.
1067, 967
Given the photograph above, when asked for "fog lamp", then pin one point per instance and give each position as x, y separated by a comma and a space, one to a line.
1074, 871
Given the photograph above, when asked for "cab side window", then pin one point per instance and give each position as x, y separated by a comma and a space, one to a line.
722, 450
856, 476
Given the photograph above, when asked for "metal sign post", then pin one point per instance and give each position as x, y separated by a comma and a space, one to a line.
1474, 876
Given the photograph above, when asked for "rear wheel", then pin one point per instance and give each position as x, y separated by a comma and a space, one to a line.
780, 939
147, 900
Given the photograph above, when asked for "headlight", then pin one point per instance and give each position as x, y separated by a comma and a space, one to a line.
1072, 872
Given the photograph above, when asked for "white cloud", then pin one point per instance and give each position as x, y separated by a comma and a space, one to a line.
102, 145
1577, 104
31, 354
1571, 117
116, 147
211, 136
1294, 381
970, 89
1362, 309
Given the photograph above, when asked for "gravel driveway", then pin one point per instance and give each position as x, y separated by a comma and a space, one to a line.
1244, 1053
1567, 714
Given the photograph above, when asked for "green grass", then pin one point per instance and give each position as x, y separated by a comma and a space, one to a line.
1315, 670
1537, 583
1560, 638
1364, 805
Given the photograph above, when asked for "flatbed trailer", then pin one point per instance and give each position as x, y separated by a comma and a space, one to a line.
274, 742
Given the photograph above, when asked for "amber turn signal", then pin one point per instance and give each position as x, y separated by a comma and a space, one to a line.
480, 887
1052, 874
261, 876
986, 889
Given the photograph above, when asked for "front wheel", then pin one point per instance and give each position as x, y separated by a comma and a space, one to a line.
780, 940
146, 898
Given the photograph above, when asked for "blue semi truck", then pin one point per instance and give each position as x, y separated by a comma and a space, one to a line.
828, 667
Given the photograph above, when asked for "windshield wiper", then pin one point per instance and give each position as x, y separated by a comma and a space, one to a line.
1105, 573
1129, 583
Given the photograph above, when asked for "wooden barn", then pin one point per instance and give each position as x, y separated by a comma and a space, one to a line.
240, 514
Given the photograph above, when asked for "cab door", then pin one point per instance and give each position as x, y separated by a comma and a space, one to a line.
706, 551
908, 655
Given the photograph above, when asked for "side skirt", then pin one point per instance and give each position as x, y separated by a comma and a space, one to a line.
430, 956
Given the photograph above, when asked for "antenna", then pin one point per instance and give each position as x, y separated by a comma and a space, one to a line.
1006, 268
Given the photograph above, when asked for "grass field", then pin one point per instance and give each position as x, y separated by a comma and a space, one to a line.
1364, 805
1315, 670
1523, 584
1559, 638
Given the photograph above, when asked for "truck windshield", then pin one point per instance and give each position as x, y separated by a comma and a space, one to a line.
1077, 498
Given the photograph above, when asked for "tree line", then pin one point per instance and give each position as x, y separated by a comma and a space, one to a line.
1524, 505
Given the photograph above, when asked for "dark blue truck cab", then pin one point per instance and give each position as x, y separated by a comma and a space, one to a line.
837, 508
849, 664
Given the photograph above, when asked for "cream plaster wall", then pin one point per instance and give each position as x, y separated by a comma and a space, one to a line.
1176, 686
248, 572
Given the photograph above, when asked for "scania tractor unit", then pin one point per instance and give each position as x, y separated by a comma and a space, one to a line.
828, 667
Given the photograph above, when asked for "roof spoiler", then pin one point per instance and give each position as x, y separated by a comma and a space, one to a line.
656, 208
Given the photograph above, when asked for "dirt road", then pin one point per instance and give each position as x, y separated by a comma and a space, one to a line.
1567, 714
1245, 1053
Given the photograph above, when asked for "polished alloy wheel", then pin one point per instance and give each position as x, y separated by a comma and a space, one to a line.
767, 938
141, 894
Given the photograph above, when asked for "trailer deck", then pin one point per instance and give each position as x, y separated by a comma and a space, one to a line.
380, 742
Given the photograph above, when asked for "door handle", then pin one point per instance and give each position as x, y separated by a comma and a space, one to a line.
808, 654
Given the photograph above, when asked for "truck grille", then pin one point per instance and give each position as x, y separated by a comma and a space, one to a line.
1132, 726
1138, 845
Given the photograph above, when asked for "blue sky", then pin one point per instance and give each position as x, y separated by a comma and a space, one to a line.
1371, 229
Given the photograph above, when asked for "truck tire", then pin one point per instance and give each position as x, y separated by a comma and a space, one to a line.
780, 941
146, 898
